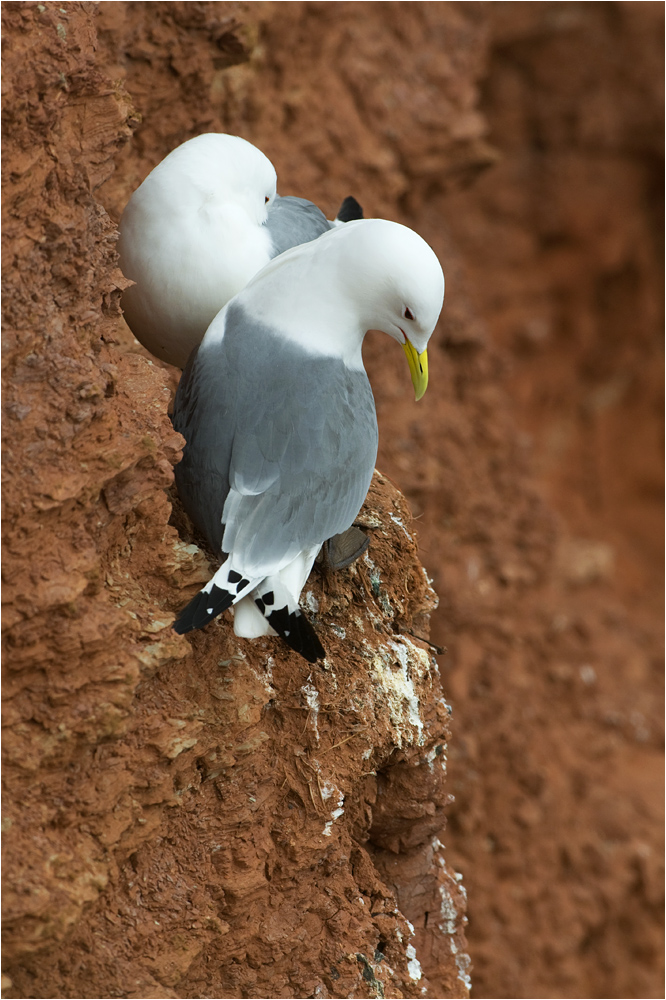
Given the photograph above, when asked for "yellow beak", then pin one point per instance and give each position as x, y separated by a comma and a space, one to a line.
418, 367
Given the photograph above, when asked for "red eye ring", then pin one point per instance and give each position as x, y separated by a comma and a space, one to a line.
408, 313
267, 199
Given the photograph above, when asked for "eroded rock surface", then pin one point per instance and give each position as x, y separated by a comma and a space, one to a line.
172, 806
182, 816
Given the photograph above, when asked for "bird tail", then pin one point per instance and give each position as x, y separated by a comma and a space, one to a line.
271, 597
283, 614
221, 591
349, 210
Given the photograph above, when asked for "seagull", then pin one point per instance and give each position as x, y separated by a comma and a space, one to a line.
279, 417
202, 223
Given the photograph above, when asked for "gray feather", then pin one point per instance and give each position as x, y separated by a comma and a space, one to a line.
283, 443
292, 221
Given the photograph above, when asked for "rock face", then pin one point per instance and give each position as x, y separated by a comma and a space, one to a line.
208, 816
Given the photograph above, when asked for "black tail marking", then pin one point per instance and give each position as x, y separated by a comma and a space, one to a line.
238, 581
296, 631
349, 210
202, 609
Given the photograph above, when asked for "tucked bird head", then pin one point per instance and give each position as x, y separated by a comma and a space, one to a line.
366, 275
401, 286
216, 168
395, 277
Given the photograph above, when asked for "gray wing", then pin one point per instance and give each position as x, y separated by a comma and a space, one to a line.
202, 413
292, 221
281, 445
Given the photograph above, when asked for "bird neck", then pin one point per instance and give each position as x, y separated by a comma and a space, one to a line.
308, 308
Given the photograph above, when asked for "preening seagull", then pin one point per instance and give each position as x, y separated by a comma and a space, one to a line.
279, 417
202, 223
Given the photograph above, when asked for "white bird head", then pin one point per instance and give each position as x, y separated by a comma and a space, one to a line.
395, 278
218, 168
371, 274
399, 288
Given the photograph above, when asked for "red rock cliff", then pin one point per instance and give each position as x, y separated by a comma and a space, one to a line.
173, 821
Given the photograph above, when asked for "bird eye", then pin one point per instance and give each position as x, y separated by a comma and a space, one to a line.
267, 199
408, 313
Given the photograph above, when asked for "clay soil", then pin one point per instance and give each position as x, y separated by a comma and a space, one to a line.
172, 806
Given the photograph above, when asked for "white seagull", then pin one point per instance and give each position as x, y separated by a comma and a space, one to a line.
279, 417
201, 224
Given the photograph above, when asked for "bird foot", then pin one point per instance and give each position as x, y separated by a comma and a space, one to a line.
344, 549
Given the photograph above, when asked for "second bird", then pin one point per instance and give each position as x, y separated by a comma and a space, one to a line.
203, 222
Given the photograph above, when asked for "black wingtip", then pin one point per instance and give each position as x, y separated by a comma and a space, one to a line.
298, 633
350, 210
202, 609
